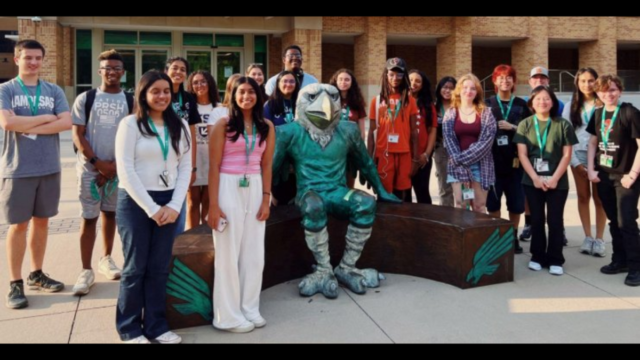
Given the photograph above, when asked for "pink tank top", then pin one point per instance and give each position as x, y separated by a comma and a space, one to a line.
234, 156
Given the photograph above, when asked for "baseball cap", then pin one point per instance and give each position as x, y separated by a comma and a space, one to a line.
539, 70
396, 63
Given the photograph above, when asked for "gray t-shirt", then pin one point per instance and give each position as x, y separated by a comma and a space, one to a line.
23, 156
106, 113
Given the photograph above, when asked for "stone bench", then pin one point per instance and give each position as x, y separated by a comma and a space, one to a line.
457, 247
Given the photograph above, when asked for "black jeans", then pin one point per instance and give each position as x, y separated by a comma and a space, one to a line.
554, 200
420, 184
621, 207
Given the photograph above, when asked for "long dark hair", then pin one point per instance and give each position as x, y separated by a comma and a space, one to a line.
355, 101
170, 61
441, 84
424, 99
236, 118
214, 97
405, 87
171, 119
276, 100
578, 97
553, 113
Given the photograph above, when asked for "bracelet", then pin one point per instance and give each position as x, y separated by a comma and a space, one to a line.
266, 193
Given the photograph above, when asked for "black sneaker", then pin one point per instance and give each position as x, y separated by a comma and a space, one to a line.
633, 278
517, 248
15, 297
42, 282
614, 268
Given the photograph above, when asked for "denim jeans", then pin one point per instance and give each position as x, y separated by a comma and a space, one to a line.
147, 253
182, 218
621, 207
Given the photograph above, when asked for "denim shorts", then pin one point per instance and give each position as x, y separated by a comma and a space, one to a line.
475, 174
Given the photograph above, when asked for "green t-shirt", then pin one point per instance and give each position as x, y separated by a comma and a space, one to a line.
561, 134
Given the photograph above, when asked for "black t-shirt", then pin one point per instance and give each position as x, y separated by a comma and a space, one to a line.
622, 138
503, 155
189, 109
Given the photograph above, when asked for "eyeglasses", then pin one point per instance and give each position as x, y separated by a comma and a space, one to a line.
200, 83
288, 82
111, 69
294, 56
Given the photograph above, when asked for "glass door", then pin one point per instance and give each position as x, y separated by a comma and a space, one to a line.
228, 62
199, 60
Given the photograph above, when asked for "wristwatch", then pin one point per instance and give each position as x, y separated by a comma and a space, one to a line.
93, 160
194, 169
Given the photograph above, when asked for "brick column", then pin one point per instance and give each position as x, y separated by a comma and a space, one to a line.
307, 33
454, 51
49, 33
602, 53
370, 51
530, 52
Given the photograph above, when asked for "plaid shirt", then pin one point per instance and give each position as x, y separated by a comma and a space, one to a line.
479, 152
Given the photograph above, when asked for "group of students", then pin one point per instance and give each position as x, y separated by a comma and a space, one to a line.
140, 157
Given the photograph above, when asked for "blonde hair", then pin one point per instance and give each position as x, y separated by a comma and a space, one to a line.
478, 101
227, 92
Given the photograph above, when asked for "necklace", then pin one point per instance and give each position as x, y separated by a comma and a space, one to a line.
473, 110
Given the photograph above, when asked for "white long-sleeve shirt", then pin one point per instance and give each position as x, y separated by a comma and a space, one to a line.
140, 162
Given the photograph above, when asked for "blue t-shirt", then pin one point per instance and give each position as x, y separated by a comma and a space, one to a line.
279, 119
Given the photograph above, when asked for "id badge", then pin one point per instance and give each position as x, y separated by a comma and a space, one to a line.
516, 163
606, 160
545, 178
30, 136
394, 138
164, 179
243, 182
467, 194
503, 140
542, 165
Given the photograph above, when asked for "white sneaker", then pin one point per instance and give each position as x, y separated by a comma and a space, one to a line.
599, 249
169, 338
587, 245
556, 270
84, 282
259, 322
535, 266
108, 268
139, 340
245, 327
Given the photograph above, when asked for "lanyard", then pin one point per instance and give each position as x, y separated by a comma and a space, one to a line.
605, 133
542, 141
288, 111
33, 105
393, 119
246, 142
505, 115
345, 114
164, 146
587, 115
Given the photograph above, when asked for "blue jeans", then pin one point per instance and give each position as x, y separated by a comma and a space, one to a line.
182, 219
147, 253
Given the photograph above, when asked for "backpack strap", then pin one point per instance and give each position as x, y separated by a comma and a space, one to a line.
88, 104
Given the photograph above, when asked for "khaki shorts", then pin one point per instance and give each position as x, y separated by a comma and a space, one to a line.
23, 198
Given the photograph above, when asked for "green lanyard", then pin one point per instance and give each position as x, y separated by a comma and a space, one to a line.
246, 142
288, 111
178, 109
586, 116
393, 119
505, 115
605, 134
164, 146
345, 114
33, 105
542, 141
